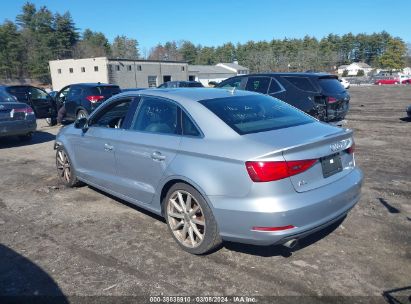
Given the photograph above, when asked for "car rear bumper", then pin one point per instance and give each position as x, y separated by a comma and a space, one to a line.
18, 127
308, 212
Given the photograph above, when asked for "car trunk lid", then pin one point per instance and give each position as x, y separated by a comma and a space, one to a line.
9, 111
326, 144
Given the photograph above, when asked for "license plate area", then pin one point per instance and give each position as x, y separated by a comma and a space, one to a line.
331, 164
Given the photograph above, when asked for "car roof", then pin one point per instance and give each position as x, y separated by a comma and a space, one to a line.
190, 94
94, 84
298, 74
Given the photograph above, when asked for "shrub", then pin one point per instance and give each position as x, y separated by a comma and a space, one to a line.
360, 73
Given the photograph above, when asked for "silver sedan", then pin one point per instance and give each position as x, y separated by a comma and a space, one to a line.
217, 164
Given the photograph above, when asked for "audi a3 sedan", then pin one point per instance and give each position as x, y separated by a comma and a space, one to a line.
217, 164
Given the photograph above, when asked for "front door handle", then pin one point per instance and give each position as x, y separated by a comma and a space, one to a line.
108, 147
157, 156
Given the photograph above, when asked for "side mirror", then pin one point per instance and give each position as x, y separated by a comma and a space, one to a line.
81, 123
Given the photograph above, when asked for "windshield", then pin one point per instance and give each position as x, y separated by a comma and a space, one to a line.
256, 113
106, 91
331, 85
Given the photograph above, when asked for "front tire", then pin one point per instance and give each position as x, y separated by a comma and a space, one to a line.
65, 170
51, 121
190, 220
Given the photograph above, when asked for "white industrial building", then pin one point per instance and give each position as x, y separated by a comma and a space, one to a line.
123, 72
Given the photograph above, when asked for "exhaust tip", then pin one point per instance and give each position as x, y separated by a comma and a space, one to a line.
290, 243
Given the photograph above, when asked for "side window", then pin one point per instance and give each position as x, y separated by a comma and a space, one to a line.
112, 116
258, 84
156, 115
231, 83
37, 94
274, 87
74, 93
61, 97
188, 126
302, 83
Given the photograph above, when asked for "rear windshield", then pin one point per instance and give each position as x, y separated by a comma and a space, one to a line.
253, 114
19, 92
191, 85
106, 91
4, 97
331, 85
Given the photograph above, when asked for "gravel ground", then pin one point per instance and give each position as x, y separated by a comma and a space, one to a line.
82, 242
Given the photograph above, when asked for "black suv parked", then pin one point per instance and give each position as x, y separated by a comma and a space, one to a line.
181, 84
42, 103
82, 98
318, 94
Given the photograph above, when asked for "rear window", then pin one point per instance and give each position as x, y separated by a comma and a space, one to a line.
193, 85
4, 97
253, 114
21, 93
106, 91
331, 85
302, 83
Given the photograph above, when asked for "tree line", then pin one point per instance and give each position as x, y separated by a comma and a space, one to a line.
37, 36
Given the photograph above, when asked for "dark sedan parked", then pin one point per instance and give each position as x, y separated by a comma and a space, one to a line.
318, 94
16, 118
42, 103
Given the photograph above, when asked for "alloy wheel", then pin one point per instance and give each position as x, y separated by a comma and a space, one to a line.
186, 219
63, 166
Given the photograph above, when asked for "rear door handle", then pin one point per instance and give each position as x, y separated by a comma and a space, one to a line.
157, 156
108, 147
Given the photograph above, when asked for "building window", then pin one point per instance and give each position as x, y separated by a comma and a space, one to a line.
71, 70
95, 68
182, 68
129, 67
117, 67
83, 69
152, 81
139, 68
59, 71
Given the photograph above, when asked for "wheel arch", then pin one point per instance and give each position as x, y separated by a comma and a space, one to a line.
169, 182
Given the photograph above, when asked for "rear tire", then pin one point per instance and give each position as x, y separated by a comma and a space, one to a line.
65, 171
81, 114
190, 220
26, 137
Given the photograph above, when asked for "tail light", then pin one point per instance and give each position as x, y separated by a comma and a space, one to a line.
331, 99
351, 149
95, 98
26, 111
276, 170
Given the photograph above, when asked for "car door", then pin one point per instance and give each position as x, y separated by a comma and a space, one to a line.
73, 101
41, 102
148, 147
96, 147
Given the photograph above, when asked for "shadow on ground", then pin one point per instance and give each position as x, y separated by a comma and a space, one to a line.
39, 137
22, 281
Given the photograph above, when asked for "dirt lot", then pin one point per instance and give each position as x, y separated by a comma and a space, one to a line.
80, 241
